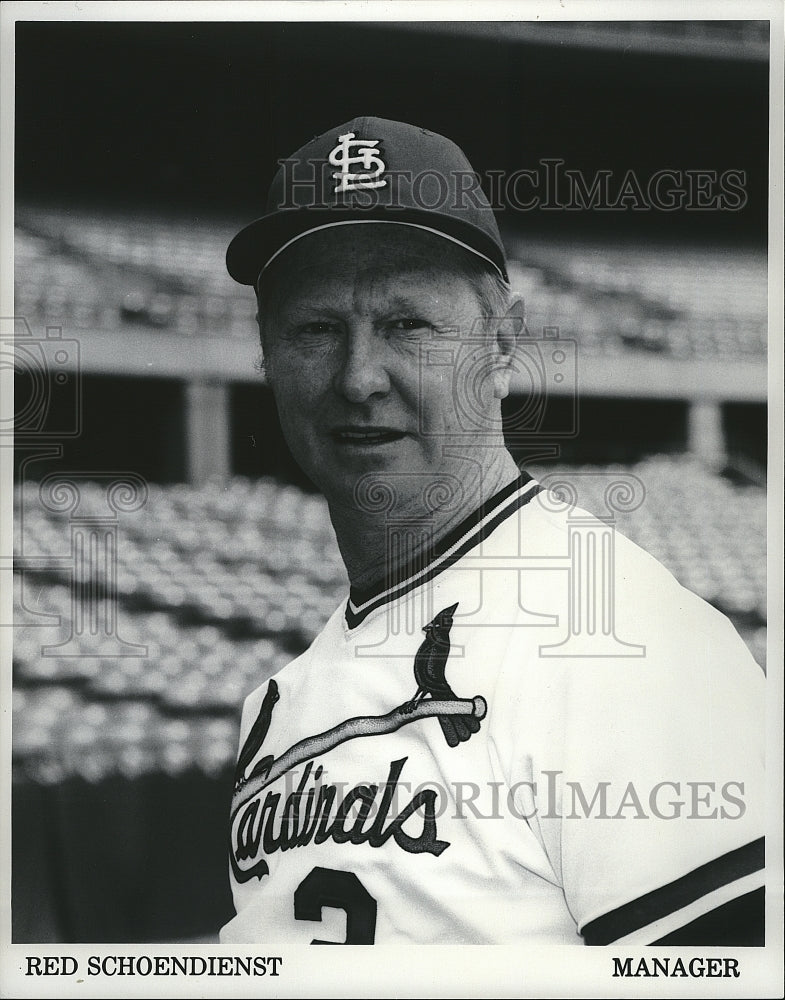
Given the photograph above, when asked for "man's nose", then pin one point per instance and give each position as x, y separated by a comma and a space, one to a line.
362, 373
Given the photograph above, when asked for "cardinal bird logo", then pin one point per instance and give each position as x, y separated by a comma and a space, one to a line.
458, 717
430, 664
256, 738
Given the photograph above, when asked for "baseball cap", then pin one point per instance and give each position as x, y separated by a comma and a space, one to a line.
370, 170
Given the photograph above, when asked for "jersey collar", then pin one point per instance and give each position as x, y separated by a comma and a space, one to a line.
443, 553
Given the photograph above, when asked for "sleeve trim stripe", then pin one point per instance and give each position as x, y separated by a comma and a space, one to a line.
675, 921
675, 896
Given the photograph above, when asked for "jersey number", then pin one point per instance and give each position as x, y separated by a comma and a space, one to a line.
343, 890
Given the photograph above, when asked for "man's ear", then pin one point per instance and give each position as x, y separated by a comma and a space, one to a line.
261, 364
508, 332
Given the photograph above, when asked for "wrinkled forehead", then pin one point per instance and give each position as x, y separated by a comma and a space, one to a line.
369, 253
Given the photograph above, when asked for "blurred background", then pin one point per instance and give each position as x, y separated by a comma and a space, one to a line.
189, 558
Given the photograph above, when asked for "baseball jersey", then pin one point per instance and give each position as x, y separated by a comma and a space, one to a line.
531, 733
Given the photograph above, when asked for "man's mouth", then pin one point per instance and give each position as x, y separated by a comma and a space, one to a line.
367, 436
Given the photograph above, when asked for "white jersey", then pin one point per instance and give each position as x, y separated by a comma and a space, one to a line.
534, 734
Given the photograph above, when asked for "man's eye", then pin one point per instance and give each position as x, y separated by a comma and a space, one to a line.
408, 323
316, 329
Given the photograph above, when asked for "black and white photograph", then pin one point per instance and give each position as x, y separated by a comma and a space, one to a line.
391, 471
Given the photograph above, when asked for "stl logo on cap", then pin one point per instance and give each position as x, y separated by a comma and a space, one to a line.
366, 154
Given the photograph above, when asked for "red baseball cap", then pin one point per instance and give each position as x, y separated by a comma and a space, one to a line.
370, 170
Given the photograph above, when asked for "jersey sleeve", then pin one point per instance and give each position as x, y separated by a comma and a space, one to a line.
648, 768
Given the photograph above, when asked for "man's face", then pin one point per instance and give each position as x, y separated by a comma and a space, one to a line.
377, 354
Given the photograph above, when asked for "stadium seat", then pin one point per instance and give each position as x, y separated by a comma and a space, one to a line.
98, 272
246, 578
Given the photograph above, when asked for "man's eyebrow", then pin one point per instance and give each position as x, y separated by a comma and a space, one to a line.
417, 304
302, 307
296, 306
403, 301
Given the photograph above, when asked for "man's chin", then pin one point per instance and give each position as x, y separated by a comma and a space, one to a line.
367, 455
357, 479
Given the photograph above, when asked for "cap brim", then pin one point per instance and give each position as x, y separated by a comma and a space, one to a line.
259, 243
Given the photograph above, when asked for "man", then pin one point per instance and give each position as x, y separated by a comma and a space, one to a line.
518, 727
